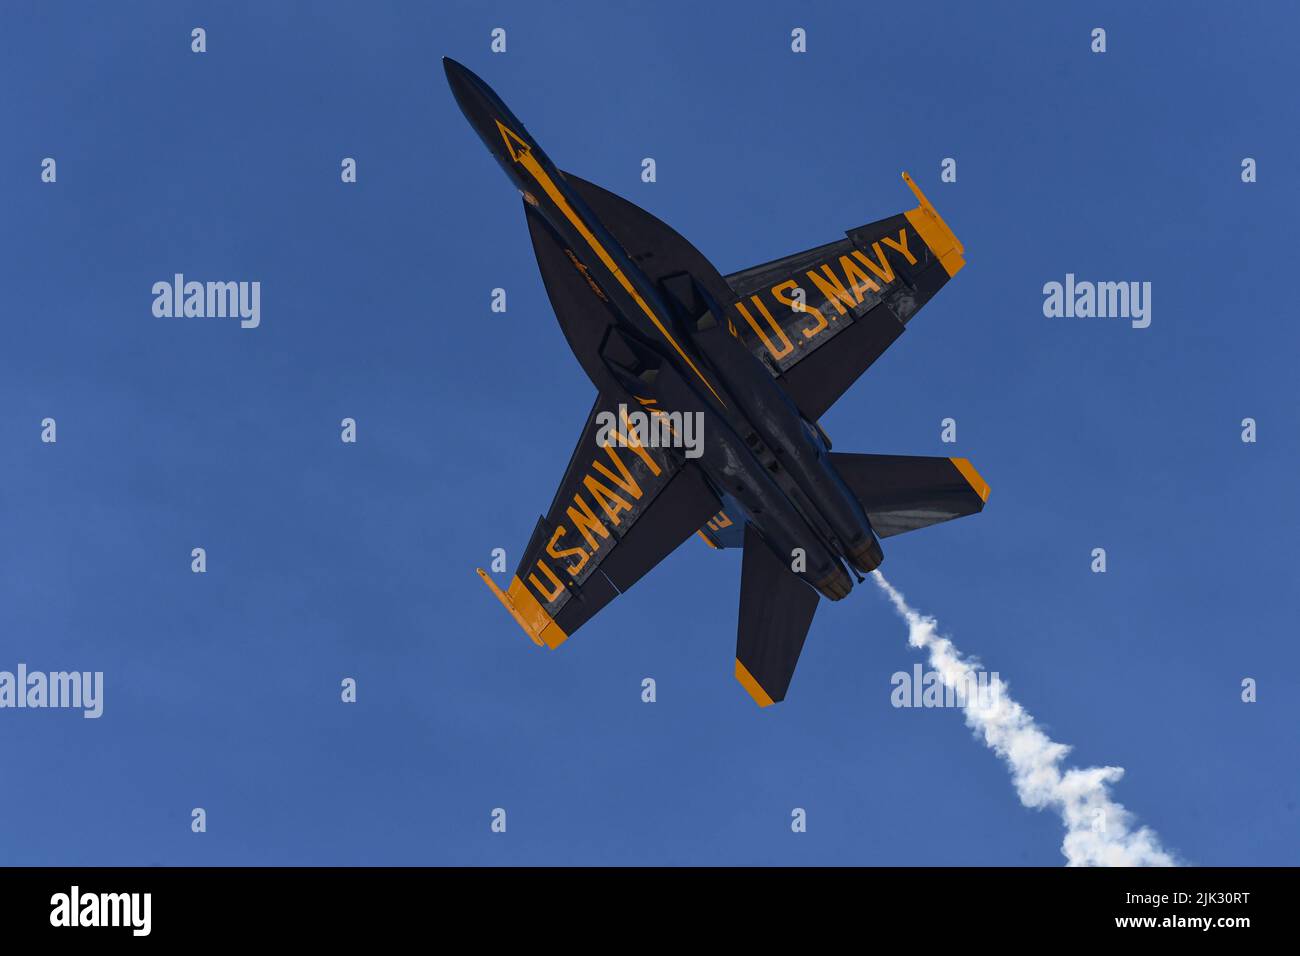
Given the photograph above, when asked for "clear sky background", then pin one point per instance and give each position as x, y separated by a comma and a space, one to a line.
328, 560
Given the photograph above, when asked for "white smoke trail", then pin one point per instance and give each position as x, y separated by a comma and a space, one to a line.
1098, 831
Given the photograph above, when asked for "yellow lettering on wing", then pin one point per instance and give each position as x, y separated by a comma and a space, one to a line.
608, 499
628, 437
884, 271
832, 289
561, 554
585, 520
859, 280
624, 477
540, 589
767, 343
901, 246
811, 330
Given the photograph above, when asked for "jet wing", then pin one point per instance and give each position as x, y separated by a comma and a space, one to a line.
858, 293
819, 318
620, 510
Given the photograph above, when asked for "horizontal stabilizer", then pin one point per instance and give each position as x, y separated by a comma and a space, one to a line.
905, 492
776, 610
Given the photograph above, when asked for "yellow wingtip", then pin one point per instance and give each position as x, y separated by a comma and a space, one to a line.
753, 687
934, 232
972, 477
509, 606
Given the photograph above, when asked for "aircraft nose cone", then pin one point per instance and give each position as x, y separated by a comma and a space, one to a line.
463, 85
482, 107
453, 70
474, 96
491, 119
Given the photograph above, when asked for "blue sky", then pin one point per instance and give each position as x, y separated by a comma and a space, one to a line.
328, 560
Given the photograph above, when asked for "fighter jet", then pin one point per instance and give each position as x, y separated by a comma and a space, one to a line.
753, 359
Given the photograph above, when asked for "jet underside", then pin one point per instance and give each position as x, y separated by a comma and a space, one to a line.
756, 358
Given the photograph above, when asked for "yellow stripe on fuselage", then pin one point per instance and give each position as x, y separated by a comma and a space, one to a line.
526, 159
